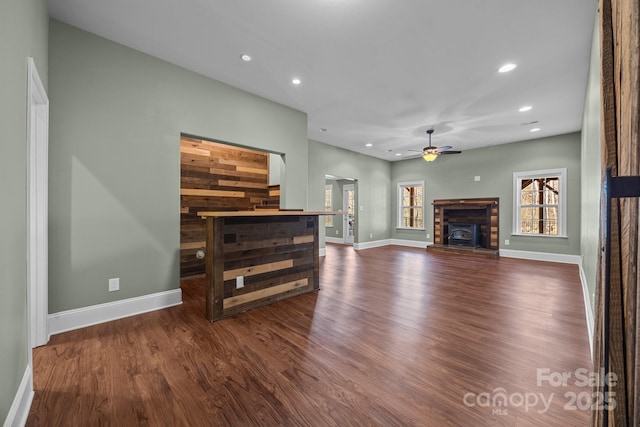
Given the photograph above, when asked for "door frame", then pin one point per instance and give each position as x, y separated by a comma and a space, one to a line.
37, 209
345, 229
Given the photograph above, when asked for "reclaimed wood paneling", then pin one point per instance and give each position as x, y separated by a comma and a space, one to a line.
215, 177
620, 133
483, 211
276, 255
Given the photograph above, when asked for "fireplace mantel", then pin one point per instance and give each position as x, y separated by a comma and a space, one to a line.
481, 211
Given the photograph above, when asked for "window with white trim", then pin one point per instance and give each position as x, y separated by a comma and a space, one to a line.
411, 205
328, 204
540, 200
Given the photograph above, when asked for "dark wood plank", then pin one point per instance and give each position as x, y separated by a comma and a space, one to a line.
396, 337
248, 249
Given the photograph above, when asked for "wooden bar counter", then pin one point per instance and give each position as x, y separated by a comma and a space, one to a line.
254, 258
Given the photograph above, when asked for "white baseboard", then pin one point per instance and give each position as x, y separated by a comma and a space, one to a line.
372, 244
541, 256
95, 314
384, 242
339, 240
410, 243
588, 309
21, 405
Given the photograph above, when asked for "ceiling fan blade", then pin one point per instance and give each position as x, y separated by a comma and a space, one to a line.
450, 152
444, 148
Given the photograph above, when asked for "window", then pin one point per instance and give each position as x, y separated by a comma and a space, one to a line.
328, 204
411, 205
540, 203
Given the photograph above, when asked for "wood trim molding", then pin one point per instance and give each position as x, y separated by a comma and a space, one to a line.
588, 309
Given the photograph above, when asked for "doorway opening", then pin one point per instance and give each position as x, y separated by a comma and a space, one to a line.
341, 193
349, 209
37, 209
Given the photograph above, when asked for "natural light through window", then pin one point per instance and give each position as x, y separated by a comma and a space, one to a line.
411, 204
540, 202
328, 204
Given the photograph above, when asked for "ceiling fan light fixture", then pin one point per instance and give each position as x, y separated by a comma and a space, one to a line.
429, 154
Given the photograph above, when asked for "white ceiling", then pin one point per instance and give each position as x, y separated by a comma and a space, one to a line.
376, 71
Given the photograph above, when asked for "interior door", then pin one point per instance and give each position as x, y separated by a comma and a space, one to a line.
349, 207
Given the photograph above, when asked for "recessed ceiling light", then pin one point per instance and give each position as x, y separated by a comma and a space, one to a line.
507, 67
398, 154
296, 81
245, 57
368, 145
525, 108
534, 130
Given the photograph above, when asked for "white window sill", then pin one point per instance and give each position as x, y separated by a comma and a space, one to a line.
557, 236
411, 228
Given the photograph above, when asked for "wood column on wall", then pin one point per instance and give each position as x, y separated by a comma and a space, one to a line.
215, 177
620, 119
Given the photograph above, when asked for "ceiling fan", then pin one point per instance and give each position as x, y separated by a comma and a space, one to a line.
430, 153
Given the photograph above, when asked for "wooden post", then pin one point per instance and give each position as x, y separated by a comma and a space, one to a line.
214, 268
316, 253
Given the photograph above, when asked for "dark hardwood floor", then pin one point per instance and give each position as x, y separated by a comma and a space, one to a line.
395, 337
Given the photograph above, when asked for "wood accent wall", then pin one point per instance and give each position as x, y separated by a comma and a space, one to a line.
215, 177
620, 124
483, 211
278, 257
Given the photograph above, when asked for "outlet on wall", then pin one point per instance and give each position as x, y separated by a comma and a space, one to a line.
337, 232
114, 284
371, 235
428, 236
239, 282
506, 242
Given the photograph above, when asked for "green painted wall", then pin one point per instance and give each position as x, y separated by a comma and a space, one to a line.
116, 119
591, 170
372, 187
23, 33
453, 176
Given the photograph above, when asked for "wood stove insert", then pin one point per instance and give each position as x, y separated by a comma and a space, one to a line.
481, 213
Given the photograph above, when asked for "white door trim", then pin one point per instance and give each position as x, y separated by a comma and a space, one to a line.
37, 208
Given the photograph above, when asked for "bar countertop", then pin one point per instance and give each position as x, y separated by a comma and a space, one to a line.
265, 212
